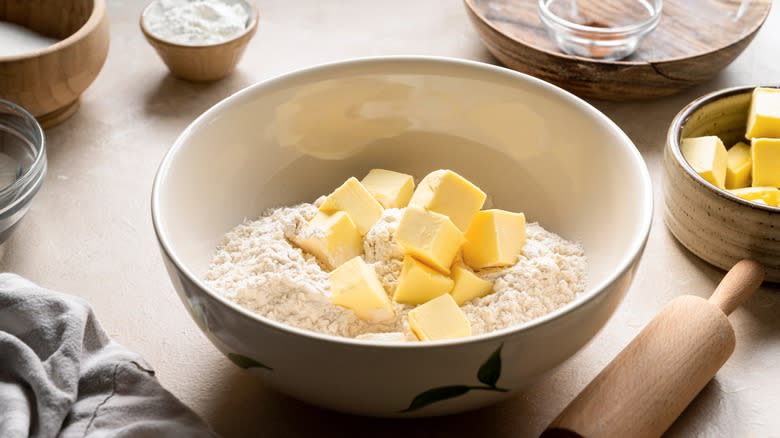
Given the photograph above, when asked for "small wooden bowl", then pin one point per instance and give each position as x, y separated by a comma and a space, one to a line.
48, 82
694, 40
712, 223
202, 63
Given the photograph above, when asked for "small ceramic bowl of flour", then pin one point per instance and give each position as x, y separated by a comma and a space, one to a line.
200, 40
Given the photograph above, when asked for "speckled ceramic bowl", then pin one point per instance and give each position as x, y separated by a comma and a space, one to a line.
712, 223
532, 146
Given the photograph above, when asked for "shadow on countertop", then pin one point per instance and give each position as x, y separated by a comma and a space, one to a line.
283, 416
171, 97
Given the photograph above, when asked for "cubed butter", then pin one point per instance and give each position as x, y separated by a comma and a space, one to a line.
419, 283
331, 238
708, 157
439, 318
768, 195
429, 236
764, 115
391, 189
448, 193
354, 285
738, 166
495, 238
468, 285
353, 199
766, 161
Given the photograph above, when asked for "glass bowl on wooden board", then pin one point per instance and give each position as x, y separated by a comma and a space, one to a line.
693, 41
534, 147
597, 30
48, 81
712, 222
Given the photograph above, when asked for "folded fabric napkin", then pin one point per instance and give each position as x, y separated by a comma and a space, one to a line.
61, 375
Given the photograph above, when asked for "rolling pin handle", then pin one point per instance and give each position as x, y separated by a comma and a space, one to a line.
737, 285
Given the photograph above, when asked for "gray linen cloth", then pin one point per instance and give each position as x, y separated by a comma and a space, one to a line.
61, 375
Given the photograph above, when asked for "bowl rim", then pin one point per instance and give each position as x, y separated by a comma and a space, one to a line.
33, 177
625, 265
674, 134
248, 31
94, 20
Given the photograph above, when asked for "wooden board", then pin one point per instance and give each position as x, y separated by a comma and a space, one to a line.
693, 41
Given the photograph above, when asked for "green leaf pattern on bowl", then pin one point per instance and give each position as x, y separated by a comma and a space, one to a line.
198, 314
490, 371
488, 374
246, 362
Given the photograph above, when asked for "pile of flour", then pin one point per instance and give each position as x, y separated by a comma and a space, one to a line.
196, 22
258, 267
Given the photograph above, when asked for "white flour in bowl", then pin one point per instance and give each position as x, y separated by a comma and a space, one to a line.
257, 267
18, 40
196, 22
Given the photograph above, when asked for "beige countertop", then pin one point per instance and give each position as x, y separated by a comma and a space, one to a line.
89, 230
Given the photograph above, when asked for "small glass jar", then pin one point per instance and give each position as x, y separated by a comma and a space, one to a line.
22, 164
599, 29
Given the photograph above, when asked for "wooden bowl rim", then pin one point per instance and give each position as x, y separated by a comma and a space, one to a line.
471, 8
248, 32
673, 142
94, 20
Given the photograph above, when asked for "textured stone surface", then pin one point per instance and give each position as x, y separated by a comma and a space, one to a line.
89, 231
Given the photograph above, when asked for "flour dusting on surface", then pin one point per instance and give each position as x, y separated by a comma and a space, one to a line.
258, 267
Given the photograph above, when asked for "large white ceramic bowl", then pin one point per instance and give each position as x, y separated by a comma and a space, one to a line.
531, 146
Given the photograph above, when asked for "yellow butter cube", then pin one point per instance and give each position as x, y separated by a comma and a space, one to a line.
766, 161
391, 189
431, 237
439, 318
355, 285
767, 195
708, 157
331, 238
448, 193
419, 283
353, 199
468, 285
738, 166
764, 115
495, 238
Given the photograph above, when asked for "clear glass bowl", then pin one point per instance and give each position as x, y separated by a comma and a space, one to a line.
22, 164
599, 29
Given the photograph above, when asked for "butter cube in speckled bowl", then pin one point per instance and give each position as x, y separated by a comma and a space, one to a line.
532, 146
711, 222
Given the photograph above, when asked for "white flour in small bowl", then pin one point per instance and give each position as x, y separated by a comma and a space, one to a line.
196, 22
258, 267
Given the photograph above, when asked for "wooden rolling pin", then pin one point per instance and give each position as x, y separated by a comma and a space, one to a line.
646, 387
